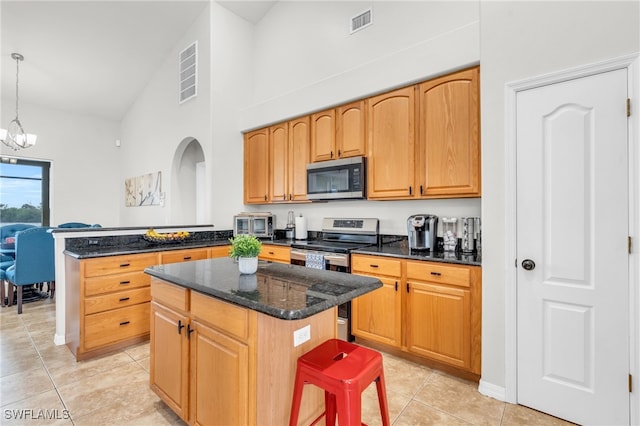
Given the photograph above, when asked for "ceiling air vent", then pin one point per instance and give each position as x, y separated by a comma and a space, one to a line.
189, 72
361, 21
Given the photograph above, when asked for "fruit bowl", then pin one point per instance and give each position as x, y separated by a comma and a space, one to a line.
167, 238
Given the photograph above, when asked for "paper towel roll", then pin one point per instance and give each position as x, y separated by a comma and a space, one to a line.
301, 228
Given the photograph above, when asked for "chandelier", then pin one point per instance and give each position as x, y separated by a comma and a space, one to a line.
14, 136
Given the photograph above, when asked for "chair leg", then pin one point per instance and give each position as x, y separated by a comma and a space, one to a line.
20, 299
52, 287
11, 292
2, 292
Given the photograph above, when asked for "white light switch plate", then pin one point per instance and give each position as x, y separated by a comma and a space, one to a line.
301, 335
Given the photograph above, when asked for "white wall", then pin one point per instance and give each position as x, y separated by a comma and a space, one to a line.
155, 126
519, 40
306, 60
85, 161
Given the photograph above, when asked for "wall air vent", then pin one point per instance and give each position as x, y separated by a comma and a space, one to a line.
188, 72
361, 21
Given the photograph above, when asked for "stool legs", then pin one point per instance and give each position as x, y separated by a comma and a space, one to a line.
382, 399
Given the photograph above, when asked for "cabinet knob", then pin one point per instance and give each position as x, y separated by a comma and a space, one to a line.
180, 326
331, 154
410, 190
339, 153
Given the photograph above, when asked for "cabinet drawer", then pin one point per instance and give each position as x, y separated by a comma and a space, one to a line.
170, 295
224, 316
276, 253
119, 264
119, 324
119, 282
183, 255
219, 251
120, 299
376, 265
439, 273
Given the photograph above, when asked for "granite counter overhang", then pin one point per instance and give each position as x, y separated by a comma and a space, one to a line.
287, 292
402, 251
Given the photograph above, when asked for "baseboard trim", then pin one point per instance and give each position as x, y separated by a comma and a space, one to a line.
493, 391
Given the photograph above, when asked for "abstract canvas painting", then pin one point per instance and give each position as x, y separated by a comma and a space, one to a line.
143, 190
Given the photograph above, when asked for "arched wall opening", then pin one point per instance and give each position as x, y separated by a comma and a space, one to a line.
188, 189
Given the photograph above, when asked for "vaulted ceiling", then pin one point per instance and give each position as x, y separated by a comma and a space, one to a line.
94, 57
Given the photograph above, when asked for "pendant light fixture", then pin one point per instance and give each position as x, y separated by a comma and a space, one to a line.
14, 136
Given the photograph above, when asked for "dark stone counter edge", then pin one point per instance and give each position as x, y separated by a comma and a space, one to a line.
127, 228
150, 249
369, 284
469, 260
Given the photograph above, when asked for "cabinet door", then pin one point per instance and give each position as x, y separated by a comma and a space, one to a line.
298, 158
219, 251
376, 315
169, 368
391, 123
439, 323
323, 136
220, 385
449, 135
256, 167
351, 130
279, 153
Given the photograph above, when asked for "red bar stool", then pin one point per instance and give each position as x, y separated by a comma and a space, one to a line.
343, 370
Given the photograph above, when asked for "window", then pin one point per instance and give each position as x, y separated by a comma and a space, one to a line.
24, 191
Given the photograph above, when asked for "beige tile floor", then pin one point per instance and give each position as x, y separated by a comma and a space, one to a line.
42, 384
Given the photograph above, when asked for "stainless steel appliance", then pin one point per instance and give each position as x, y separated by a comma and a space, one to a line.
337, 179
291, 226
470, 235
422, 231
258, 224
332, 252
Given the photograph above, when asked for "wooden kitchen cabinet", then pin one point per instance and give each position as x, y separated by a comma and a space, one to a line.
185, 255
323, 136
443, 313
107, 302
203, 356
275, 253
289, 154
256, 167
339, 133
219, 251
376, 315
169, 367
449, 136
427, 309
390, 144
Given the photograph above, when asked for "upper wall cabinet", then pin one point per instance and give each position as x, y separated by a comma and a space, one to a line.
449, 142
391, 136
289, 154
338, 133
256, 167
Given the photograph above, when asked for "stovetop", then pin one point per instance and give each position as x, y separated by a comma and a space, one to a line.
328, 246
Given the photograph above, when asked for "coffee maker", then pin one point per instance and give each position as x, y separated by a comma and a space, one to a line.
421, 231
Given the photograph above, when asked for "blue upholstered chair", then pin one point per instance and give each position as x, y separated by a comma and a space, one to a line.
78, 225
34, 262
12, 229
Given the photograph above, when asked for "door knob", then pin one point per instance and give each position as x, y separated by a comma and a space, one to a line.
528, 264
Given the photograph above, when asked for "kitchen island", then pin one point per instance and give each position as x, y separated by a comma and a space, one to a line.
224, 346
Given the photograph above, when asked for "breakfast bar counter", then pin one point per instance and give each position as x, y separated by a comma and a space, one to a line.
224, 345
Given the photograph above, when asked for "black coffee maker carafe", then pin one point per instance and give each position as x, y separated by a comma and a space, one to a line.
421, 231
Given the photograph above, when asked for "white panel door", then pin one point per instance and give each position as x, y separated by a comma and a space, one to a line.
572, 228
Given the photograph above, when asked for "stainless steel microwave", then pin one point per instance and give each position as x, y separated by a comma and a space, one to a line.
337, 179
258, 224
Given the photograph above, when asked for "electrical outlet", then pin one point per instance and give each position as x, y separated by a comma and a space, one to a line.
301, 335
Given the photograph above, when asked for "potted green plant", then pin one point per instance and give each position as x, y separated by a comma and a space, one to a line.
246, 249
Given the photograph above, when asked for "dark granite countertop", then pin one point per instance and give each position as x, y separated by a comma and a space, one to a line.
287, 292
116, 245
401, 250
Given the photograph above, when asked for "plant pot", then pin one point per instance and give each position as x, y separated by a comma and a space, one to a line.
247, 265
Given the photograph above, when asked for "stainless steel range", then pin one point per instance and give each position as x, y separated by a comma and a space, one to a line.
333, 252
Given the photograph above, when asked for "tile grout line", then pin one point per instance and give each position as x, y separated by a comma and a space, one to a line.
46, 369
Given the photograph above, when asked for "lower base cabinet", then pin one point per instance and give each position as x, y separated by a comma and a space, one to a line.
215, 363
428, 309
